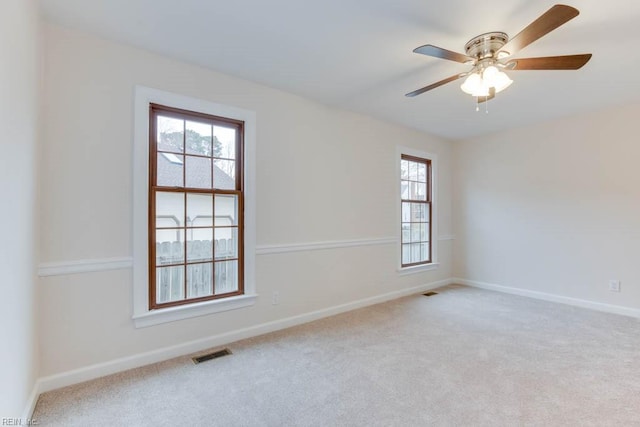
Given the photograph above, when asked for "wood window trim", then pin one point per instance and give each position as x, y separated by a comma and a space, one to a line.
427, 203
166, 111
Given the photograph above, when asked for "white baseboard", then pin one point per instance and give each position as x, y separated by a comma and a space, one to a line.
608, 308
27, 414
75, 376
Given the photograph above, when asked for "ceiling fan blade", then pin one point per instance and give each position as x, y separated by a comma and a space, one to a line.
567, 62
547, 22
439, 52
492, 94
434, 85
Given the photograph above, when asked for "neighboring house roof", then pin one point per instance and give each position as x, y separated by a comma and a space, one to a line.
198, 173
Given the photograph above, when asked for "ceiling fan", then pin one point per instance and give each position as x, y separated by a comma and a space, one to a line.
490, 54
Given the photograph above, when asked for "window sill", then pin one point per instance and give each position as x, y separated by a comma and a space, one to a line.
171, 314
418, 269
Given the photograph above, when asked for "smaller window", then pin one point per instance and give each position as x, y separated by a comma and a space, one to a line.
415, 211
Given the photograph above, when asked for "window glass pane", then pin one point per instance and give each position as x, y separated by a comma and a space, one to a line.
224, 142
415, 232
406, 254
424, 251
424, 232
226, 210
417, 212
198, 172
176, 159
404, 190
418, 191
226, 277
170, 170
169, 209
413, 190
199, 244
198, 138
224, 174
415, 252
406, 232
169, 246
199, 210
422, 191
169, 284
413, 171
226, 242
406, 212
170, 134
422, 172
404, 169
199, 280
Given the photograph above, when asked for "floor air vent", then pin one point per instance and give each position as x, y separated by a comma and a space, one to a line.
209, 356
430, 294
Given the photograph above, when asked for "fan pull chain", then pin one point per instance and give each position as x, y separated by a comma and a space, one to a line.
486, 104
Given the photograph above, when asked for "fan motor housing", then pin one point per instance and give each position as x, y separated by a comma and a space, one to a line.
486, 45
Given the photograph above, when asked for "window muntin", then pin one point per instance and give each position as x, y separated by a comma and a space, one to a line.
196, 207
415, 211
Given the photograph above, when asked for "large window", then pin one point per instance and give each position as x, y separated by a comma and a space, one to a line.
415, 208
194, 216
195, 207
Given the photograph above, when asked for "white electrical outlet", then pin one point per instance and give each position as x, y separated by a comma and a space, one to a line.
275, 298
614, 285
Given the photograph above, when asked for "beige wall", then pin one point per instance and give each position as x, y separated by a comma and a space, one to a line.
19, 82
553, 208
322, 175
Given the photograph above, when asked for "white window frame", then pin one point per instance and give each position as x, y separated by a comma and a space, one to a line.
142, 316
434, 264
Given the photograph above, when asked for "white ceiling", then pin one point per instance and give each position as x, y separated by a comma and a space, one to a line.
357, 54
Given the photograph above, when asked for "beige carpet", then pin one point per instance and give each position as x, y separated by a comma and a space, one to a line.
460, 358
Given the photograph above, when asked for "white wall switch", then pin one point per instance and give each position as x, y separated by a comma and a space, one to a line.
614, 285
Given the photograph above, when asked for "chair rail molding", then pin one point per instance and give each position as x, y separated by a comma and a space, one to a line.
61, 268
315, 246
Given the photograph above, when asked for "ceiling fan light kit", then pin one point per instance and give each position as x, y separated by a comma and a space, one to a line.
485, 73
480, 83
489, 54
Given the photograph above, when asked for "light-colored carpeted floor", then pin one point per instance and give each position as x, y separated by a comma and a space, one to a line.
460, 358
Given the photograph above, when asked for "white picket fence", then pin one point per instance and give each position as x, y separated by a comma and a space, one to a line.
170, 280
